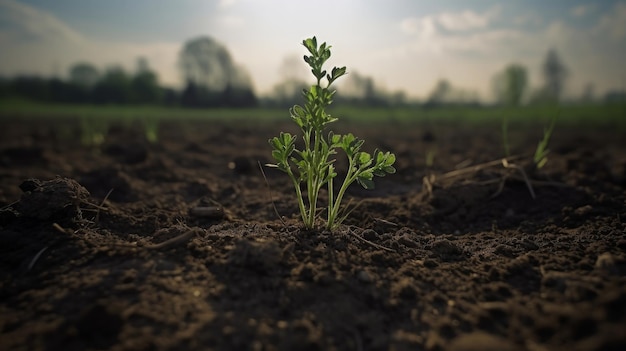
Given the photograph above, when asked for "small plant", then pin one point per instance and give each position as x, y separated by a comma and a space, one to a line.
540, 158
312, 168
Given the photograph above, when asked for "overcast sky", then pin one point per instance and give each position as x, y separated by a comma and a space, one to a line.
403, 44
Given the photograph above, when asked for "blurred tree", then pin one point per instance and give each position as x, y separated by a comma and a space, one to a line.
206, 65
114, 87
440, 94
84, 74
145, 84
66, 92
31, 87
588, 94
446, 94
554, 74
4, 87
357, 86
510, 85
288, 92
361, 90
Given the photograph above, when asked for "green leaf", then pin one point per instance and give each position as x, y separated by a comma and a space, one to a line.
338, 72
365, 182
277, 155
389, 169
311, 45
379, 173
542, 162
364, 158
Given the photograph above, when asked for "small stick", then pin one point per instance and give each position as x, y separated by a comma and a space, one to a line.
176, 240
386, 222
9, 205
371, 243
506, 164
97, 219
32, 262
476, 168
269, 190
173, 241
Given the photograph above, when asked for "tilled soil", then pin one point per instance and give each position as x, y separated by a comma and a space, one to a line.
175, 245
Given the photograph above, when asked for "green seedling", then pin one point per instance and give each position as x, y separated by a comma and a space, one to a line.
92, 131
541, 153
312, 168
430, 157
151, 129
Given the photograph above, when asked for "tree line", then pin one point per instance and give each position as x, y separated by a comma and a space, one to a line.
212, 79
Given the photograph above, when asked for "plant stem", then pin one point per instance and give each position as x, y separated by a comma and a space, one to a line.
333, 207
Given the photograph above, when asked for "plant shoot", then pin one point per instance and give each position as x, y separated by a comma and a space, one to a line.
312, 168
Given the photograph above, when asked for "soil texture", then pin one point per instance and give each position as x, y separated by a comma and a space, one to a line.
177, 245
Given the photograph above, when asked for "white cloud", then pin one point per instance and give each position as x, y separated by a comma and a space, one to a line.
448, 21
231, 22
613, 24
468, 48
226, 3
463, 21
37, 42
580, 10
34, 24
423, 27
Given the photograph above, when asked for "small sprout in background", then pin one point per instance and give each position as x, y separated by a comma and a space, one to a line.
313, 166
92, 131
430, 157
151, 129
541, 153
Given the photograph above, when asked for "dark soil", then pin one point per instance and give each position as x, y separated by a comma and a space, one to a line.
187, 252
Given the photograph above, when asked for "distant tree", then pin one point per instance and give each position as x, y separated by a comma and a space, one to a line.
361, 90
114, 87
288, 92
441, 93
30, 87
66, 92
145, 84
510, 85
554, 74
615, 96
445, 93
4, 87
206, 65
588, 94
84, 74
